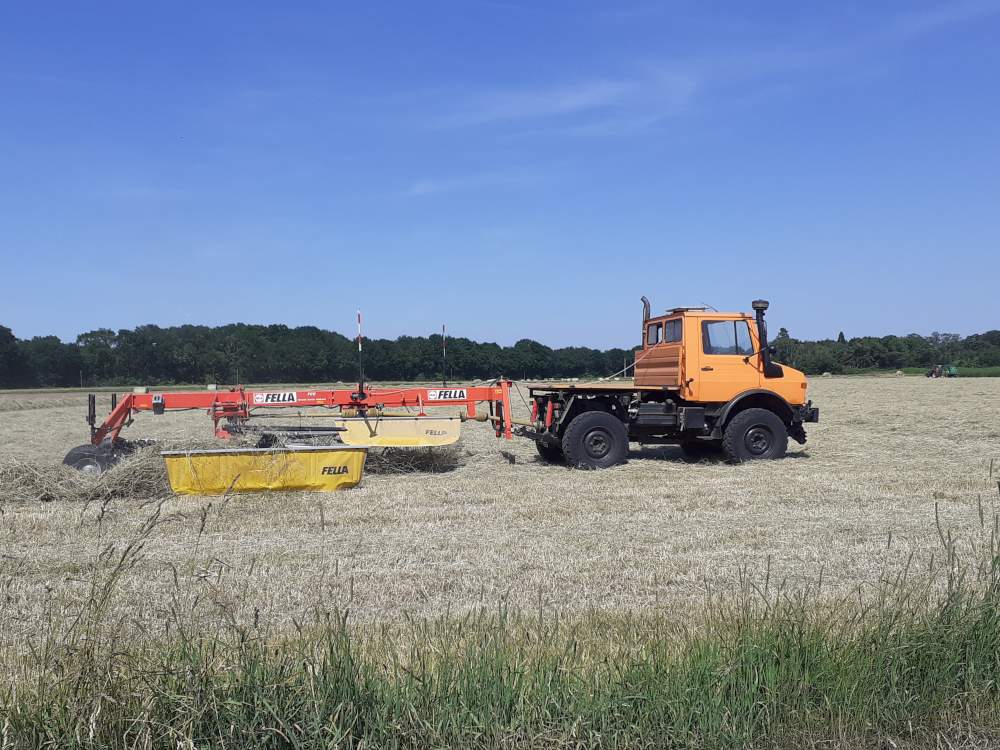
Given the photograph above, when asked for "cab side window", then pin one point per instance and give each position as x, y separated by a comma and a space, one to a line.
653, 332
726, 337
672, 331
743, 344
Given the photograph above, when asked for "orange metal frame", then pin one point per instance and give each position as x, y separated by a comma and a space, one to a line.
239, 403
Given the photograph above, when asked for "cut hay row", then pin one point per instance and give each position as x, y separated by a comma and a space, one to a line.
142, 475
10, 403
139, 477
414, 460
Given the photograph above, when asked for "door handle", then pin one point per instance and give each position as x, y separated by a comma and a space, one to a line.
707, 369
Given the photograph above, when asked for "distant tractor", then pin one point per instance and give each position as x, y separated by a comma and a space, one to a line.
943, 371
704, 380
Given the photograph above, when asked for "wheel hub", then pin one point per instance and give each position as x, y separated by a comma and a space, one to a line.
597, 443
758, 440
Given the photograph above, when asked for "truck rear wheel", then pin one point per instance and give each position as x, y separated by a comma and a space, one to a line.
595, 440
753, 434
550, 452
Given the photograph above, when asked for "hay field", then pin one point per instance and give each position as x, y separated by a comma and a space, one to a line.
890, 455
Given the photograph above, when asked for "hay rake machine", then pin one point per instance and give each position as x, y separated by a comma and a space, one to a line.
703, 380
321, 447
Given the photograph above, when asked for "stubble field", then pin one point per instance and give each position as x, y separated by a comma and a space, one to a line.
895, 464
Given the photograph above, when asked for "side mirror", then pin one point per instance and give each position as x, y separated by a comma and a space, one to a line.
772, 350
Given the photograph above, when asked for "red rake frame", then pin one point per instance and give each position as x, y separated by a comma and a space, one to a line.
238, 404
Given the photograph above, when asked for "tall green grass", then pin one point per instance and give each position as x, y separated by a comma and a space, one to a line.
764, 666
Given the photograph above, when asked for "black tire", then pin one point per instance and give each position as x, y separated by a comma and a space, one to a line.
698, 449
595, 440
268, 440
85, 458
754, 434
550, 452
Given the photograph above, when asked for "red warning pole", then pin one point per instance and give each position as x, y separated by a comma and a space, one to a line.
361, 362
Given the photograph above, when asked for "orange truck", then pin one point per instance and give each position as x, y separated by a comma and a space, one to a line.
703, 379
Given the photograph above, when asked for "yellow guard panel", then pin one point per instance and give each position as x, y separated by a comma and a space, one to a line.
312, 469
400, 432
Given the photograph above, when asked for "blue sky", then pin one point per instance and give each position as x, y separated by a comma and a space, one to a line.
513, 168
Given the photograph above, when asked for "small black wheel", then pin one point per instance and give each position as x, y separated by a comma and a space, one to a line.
550, 452
268, 440
85, 458
595, 440
754, 434
698, 449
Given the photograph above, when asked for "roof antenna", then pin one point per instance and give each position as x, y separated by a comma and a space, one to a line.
709, 307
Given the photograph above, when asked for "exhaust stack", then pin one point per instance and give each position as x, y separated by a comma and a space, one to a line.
771, 370
645, 317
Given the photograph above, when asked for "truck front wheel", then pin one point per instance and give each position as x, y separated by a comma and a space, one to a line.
595, 440
753, 434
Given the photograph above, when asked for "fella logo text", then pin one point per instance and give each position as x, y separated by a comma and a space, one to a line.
275, 398
334, 470
447, 394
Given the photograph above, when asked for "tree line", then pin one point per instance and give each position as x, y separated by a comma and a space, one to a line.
843, 355
276, 353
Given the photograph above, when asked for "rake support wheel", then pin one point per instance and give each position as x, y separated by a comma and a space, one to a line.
86, 458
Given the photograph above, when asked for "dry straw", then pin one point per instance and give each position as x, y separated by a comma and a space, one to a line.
141, 476
414, 460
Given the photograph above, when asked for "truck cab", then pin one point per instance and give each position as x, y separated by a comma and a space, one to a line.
704, 380
712, 357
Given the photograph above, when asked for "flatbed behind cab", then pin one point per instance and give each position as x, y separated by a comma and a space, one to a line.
609, 386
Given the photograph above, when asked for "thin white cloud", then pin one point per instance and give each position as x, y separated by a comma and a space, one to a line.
610, 126
542, 102
930, 20
607, 105
140, 193
651, 95
436, 186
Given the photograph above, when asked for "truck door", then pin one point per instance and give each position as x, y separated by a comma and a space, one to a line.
723, 370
